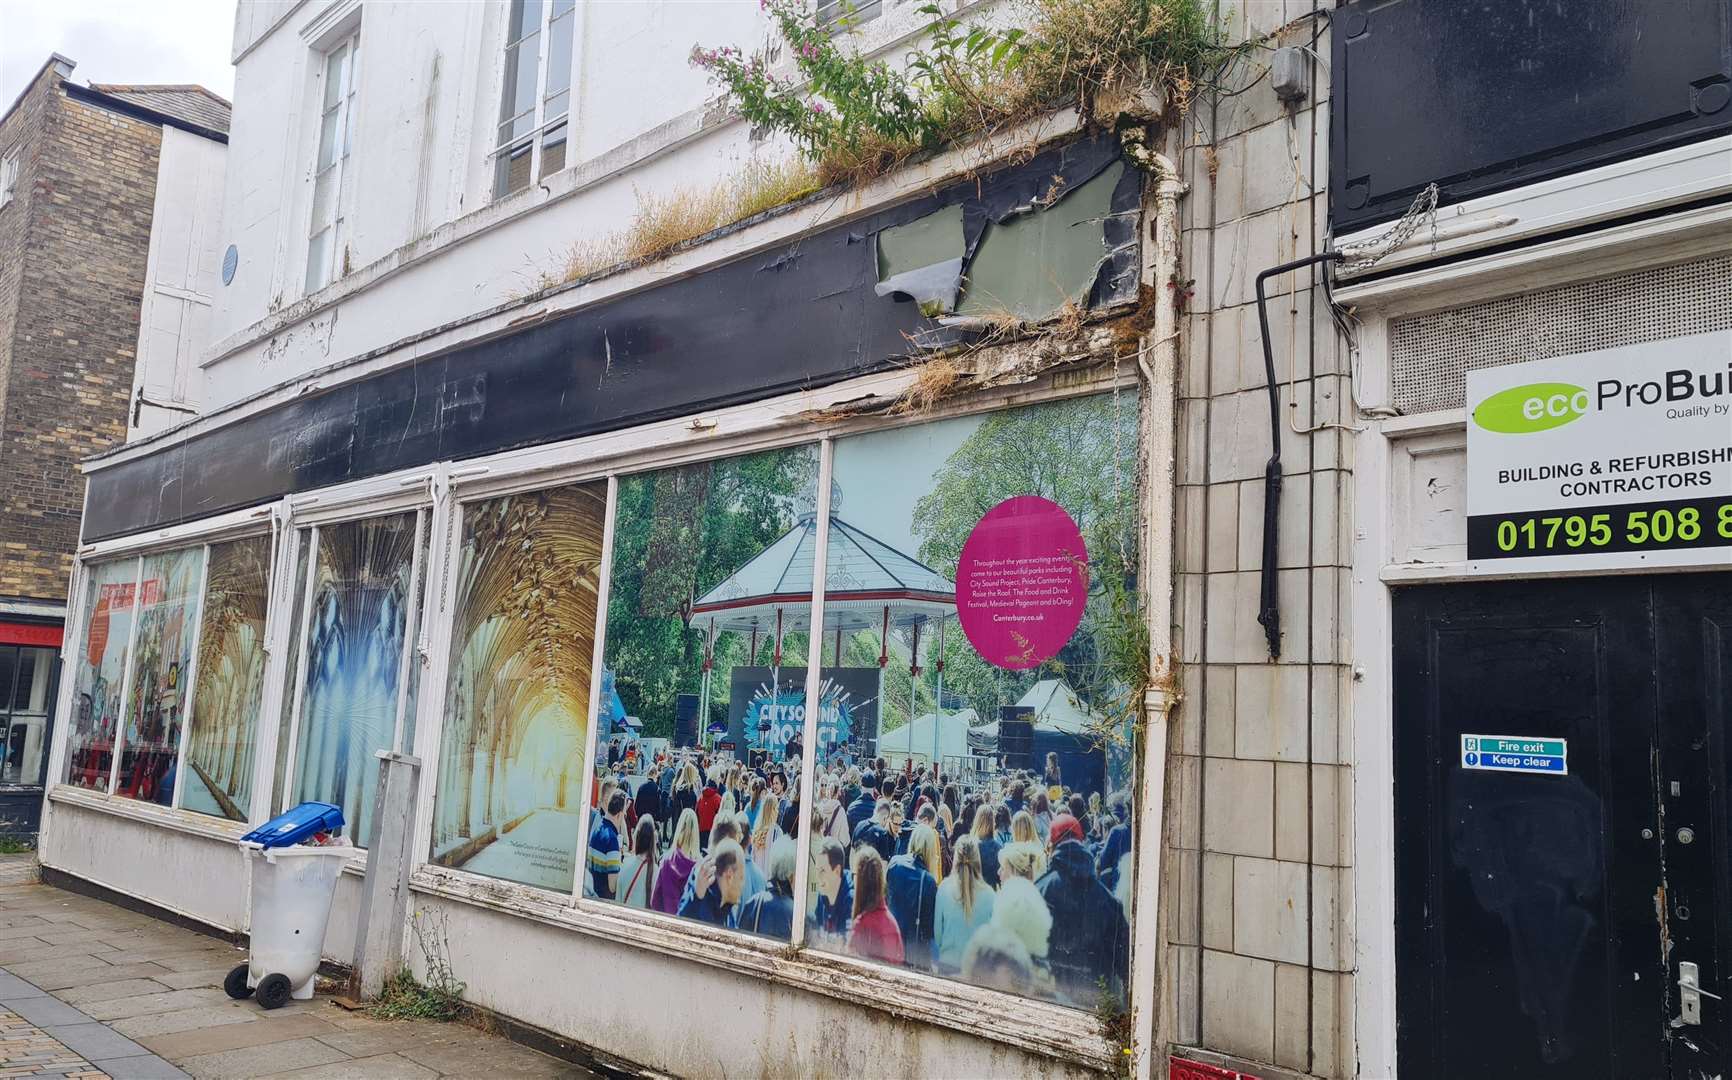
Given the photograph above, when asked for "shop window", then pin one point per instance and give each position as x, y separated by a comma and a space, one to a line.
516, 717
99, 678
26, 689
354, 661
168, 606
223, 727
704, 691
981, 572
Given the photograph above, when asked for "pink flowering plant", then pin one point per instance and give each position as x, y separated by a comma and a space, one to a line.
850, 103
854, 117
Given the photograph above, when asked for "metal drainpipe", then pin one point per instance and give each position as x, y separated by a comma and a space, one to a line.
1269, 603
1158, 361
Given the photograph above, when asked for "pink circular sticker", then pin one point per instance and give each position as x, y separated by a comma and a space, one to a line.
1022, 582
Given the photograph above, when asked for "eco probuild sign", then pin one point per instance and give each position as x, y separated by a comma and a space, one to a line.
1606, 459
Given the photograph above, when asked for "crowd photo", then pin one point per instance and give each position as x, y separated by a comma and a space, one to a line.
970, 806
1013, 880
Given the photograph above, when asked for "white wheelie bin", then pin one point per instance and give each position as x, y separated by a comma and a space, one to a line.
292, 888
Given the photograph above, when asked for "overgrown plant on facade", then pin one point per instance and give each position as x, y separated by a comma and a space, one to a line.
662, 223
854, 117
404, 997
1115, 1020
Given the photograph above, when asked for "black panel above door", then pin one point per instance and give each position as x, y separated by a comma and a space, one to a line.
1480, 96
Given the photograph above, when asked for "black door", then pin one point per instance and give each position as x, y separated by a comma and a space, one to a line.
1545, 915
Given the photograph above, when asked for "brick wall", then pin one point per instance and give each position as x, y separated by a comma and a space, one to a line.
1259, 888
73, 249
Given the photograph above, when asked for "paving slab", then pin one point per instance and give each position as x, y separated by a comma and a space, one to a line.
379, 1067
147, 1067
44, 1010
118, 988
497, 1057
176, 1020
55, 983
38, 970
202, 959
146, 1004
389, 1039
214, 1040
11, 986
192, 980
249, 1062
95, 1040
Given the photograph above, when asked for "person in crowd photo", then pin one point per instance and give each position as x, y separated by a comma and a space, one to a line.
604, 844
833, 910
1090, 937
676, 869
911, 887
718, 883
874, 934
963, 906
638, 869
771, 909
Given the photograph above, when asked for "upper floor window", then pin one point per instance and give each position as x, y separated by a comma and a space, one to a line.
333, 184
535, 103
838, 16
8, 175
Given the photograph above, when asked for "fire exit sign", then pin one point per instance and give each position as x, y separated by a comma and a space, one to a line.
1515, 753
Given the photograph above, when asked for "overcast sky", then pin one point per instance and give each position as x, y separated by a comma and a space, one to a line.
118, 41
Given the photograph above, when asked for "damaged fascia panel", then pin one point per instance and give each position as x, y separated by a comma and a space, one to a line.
1025, 258
922, 261
1034, 263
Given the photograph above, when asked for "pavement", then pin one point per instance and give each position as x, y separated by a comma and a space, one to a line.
91, 990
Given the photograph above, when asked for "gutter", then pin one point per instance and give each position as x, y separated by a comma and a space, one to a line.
1158, 360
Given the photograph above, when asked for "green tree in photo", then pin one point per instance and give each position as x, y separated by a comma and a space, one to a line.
678, 533
1082, 455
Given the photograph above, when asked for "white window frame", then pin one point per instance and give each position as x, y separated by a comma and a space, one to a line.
330, 265
350, 508
200, 538
541, 122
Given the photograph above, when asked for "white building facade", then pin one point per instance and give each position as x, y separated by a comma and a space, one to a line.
519, 520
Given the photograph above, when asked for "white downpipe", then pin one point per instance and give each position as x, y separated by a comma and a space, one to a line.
1159, 361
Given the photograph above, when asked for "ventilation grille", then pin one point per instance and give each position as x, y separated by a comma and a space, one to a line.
1431, 354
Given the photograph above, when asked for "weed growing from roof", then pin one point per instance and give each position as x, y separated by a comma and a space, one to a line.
854, 117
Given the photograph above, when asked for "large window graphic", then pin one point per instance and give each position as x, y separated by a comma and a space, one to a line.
168, 604
511, 767
100, 677
986, 566
223, 728
354, 661
703, 691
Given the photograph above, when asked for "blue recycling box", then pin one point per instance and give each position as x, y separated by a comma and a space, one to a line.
296, 825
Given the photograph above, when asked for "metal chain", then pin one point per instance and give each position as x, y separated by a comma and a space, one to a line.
1421, 211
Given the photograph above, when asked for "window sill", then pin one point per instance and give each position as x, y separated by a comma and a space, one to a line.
183, 821
1029, 1024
